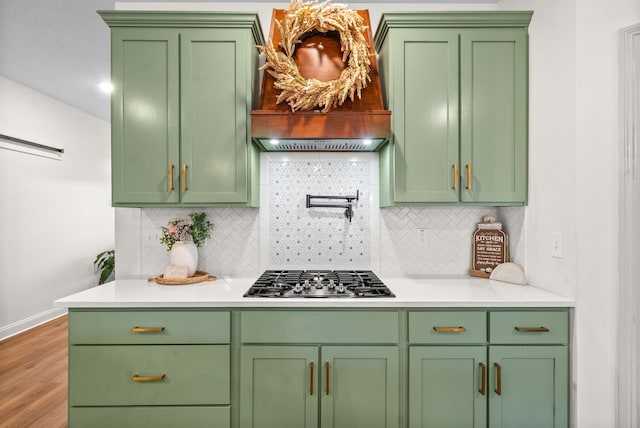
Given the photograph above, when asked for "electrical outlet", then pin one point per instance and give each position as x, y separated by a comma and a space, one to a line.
151, 238
556, 244
421, 238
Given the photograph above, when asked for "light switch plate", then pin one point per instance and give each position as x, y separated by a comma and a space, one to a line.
421, 238
151, 238
556, 244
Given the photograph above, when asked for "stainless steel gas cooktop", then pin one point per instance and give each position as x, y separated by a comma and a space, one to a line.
318, 283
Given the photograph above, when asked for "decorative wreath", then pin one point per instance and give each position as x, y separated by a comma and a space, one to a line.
306, 94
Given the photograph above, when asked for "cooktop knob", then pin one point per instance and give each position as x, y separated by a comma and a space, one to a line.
306, 284
332, 284
341, 288
297, 289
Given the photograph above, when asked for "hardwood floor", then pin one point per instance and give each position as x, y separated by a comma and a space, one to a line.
33, 377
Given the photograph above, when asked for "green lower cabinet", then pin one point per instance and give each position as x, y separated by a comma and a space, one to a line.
360, 386
149, 417
285, 386
278, 387
447, 387
126, 375
529, 387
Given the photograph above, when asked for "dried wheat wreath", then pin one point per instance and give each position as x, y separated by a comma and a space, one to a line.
306, 94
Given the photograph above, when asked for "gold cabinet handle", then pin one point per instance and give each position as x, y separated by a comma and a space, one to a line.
498, 389
483, 380
326, 370
311, 367
449, 329
184, 176
138, 378
468, 166
147, 329
171, 177
455, 176
532, 329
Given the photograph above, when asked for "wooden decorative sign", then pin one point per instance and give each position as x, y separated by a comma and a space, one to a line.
490, 248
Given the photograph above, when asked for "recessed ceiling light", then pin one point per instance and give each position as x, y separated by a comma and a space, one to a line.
106, 87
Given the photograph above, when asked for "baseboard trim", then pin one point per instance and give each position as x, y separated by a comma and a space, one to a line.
31, 322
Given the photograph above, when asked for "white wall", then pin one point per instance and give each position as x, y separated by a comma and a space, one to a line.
597, 217
574, 178
55, 215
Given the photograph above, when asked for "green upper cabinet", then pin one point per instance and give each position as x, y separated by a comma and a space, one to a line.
457, 86
493, 119
145, 112
183, 90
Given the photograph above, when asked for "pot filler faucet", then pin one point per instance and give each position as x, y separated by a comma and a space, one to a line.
348, 213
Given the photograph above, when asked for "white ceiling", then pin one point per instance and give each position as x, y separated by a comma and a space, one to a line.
61, 47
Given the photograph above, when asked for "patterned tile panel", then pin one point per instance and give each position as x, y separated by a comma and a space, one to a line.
314, 237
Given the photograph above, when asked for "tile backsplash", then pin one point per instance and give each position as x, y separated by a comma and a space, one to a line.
283, 233
232, 248
300, 236
446, 249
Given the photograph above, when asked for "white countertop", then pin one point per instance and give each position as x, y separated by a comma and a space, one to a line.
227, 292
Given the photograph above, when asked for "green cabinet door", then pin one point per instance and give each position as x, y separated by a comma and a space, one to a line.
447, 387
457, 84
279, 386
360, 387
528, 387
425, 115
184, 85
215, 90
145, 115
494, 111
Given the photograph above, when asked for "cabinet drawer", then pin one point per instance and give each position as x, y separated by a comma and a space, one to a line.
148, 327
448, 327
319, 326
537, 327
149, 417
193, 375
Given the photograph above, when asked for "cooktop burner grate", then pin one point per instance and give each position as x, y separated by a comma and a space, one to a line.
318, 283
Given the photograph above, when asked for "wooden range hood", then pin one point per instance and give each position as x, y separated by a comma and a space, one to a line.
343, 128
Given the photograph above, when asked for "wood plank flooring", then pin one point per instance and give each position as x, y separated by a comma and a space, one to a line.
33, 377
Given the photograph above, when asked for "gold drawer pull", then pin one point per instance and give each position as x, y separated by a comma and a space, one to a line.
449, 329
326, 368
498, 389
532, 329
483, 381
455, 176
468, 166
138, 378
171, 177
311, 366
147, 329
184, 177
